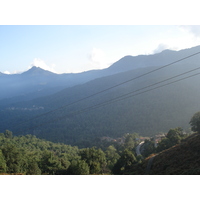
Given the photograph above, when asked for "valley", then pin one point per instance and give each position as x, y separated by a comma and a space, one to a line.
102, 106
95, 122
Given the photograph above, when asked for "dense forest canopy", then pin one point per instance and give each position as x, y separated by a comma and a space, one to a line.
94, 125
82, 113
148, 113
31, 155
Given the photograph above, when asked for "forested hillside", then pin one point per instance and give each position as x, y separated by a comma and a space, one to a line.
82, 114
176, 153
148, 113
29, 155
180, 159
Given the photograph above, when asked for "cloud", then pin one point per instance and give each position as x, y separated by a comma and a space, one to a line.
97, 56
6, 72
97, 59
160, 48
193, 29
184, 37
14, 72
40, 63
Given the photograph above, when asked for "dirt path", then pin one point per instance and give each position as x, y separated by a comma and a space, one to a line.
149, 164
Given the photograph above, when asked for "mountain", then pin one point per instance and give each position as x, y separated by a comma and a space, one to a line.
147, 113
25, 86
37, 82
37, 71
159, 59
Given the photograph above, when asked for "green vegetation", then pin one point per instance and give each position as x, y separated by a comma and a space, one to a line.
173, 137
176, 154
195, 122
30, 155
149, 147
126, 160
181, 159
148, 113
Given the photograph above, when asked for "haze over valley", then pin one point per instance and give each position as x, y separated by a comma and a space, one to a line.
114, 100
64, 107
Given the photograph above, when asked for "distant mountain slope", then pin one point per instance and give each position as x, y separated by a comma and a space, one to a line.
37, 82
165, 57
148, 113
37, 71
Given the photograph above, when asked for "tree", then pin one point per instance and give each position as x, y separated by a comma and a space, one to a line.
112, 156
8, 134
33, 168
14, 158
175, 135
195, 122
130, 140
49, 163
95, 158
163, 144
124, 163
78, 167
2, 163
149, 147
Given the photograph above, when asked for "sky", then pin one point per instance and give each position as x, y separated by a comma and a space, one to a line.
72, 36
78, 48
92, 38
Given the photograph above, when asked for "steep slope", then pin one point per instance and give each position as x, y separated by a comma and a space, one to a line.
148, 113
181, 159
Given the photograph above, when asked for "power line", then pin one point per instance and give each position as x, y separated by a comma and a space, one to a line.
117, 85
125, 96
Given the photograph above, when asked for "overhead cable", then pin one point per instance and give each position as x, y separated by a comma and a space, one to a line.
117, 85
126, 96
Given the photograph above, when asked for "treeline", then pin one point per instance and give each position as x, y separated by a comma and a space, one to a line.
173, 137
30, 155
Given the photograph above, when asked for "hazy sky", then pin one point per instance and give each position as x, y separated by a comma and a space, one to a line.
77, 48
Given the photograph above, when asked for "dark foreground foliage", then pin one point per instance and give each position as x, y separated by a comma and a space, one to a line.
30, 155
176, 153
180, 159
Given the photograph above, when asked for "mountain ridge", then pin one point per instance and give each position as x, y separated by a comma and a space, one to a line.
128, 58
147, 114
37, 71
